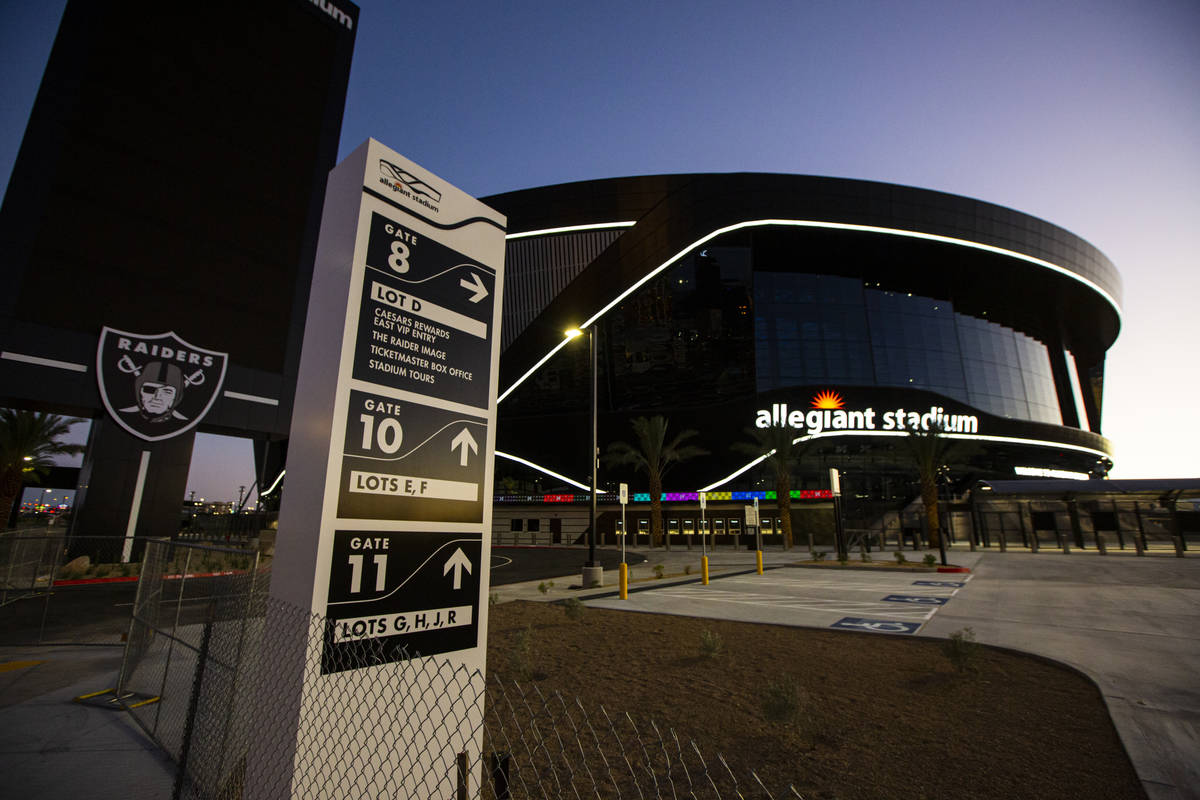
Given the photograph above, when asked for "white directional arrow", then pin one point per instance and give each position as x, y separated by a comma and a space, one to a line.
475, 286
465, 441
458, 562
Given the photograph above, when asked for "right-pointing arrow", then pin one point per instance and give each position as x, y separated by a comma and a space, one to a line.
466, 442
474, 286
458, 562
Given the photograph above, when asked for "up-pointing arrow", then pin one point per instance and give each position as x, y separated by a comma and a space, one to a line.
458, 562
466, 442
475, 286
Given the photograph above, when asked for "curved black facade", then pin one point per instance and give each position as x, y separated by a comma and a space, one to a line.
718, 298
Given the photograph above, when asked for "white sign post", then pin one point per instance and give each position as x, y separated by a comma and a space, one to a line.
385, 528
624, 489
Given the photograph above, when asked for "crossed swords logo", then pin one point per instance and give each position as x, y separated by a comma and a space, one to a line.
126, 365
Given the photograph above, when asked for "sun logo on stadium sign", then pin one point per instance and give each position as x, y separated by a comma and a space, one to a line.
828, 399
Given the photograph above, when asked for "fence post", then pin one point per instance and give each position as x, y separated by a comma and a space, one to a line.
193, 701
500, 775
129, 637
237, 665
463, 768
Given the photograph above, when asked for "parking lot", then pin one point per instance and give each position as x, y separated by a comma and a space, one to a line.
892, 602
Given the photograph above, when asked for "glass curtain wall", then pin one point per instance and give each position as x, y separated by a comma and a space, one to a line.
823, 329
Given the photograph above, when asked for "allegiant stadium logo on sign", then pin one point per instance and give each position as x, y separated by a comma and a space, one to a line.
404, 182
828, 413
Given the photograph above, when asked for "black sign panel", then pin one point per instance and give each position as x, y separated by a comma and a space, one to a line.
394, 596
425, 319
157, 385
406, 460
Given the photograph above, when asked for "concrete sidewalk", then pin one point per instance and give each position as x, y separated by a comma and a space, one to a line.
51, 747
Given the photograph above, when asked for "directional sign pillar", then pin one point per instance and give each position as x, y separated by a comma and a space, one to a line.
385, 528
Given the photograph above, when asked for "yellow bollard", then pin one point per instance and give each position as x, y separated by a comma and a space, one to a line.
758, 560
704, 570
624, 582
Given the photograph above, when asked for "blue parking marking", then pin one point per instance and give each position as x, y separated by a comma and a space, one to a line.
917, 599
951, 584
876, 625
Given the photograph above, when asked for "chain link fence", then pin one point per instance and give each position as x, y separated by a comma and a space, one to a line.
201, 669
27, 562
60, 589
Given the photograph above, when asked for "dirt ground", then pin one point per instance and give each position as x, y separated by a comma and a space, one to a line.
878, 716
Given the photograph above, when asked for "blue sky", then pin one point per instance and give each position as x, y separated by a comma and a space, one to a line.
1086, 114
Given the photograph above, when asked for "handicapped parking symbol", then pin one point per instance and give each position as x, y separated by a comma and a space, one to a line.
876, 625
917, 599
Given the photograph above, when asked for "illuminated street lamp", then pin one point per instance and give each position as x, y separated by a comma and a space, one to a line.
593, 573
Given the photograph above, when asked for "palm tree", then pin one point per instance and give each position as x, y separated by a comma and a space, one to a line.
929, 451
28, 445
654, 456
777, 444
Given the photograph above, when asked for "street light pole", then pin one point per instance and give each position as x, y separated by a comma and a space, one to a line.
593, 573
595, 451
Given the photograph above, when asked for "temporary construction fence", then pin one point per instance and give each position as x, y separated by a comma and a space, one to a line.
199, 671
187, 631
28, 559
61, 589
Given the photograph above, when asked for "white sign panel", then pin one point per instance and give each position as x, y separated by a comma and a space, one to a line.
386, 512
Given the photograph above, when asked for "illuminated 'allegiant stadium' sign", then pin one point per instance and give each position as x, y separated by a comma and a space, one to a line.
827, 414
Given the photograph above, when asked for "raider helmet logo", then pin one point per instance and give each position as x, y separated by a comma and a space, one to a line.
157, 386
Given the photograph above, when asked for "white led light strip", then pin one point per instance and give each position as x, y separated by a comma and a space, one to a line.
828, 434
800, 223
968, 436
595, 226
520, 460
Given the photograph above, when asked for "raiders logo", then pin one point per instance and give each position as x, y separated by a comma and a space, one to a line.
157, 386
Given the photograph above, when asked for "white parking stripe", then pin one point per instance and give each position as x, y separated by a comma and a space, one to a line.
824, 604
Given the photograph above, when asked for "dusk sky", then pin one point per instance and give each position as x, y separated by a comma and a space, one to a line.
1086, 114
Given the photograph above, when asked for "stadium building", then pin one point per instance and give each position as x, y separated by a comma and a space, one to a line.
852, 311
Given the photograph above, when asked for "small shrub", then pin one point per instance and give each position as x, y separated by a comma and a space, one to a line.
900, 558
711, 644
687, 569
781, 701
866, 557
493, 598
819, 555
930, 560
520, 658
658, 570
573, 608
544, 587
962, 650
